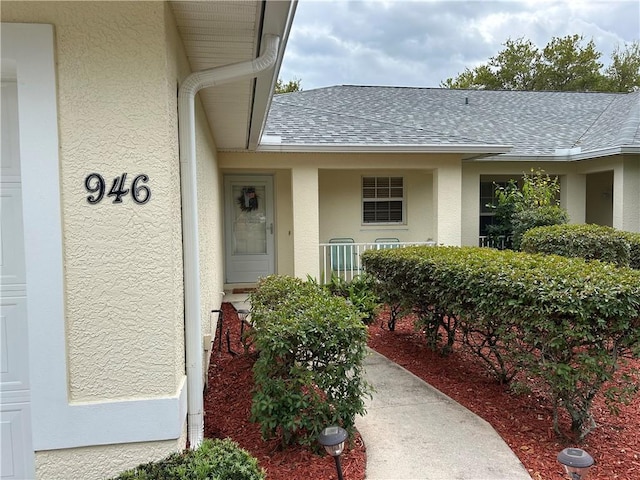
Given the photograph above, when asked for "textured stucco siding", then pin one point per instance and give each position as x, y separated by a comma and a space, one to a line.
100, 462
210, 220
118, 68
122, 261
177, 67
341, 206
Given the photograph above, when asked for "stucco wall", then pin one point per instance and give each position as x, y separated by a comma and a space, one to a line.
118, 67
210, 224
100, 462
341, 206
283, 222
122, 261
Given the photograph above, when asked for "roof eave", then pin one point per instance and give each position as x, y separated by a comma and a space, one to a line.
588, 155
277, 20
467, 150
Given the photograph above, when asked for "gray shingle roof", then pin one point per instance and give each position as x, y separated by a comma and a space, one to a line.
534, 123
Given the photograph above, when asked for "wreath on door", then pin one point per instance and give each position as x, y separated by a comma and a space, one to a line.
248, 200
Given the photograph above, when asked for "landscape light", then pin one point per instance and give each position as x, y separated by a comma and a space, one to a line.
576, 462
332, 439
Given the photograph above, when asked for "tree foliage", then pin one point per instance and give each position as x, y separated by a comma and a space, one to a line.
519, 209
564, 64
293, 85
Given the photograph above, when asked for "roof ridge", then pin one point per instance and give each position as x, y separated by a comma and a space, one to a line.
629, 127
632, 123
480, 90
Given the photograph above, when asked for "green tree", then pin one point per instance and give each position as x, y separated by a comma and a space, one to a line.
568, 66
623, 74
565, 64
514, 68
291, 86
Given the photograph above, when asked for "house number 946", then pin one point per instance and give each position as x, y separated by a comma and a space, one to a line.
96, 186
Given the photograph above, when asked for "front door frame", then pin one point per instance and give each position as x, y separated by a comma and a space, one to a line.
240, 268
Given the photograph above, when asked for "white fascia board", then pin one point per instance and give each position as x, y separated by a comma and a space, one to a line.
479, 149
602, 152
606, 152
278, 18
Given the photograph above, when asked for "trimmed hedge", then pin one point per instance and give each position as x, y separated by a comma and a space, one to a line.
526, 219
634, 248
309, 373
591, 242
214, 459
564, 320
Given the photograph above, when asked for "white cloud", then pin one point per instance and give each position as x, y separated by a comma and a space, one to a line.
423, 42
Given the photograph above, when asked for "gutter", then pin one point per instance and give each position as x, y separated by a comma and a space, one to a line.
483, 148
189, 196
569, 157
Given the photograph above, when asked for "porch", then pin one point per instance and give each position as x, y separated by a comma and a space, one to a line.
342, 257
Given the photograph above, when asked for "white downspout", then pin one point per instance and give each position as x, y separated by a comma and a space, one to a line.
189, 194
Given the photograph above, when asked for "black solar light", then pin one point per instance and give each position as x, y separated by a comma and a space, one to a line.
576, 462
332, 439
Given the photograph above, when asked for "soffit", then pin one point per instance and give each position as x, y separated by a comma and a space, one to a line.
218, 33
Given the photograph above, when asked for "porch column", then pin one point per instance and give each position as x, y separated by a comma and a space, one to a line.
626, 195
306, 221
573, 194
470, 206
448, 203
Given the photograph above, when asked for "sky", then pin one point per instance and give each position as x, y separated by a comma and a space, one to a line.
423, 42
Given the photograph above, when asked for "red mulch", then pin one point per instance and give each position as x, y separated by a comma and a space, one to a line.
524, 421
227, 405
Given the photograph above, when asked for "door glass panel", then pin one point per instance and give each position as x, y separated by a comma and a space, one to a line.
249, 220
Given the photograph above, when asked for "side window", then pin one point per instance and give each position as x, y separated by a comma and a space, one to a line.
488, 197
382, 200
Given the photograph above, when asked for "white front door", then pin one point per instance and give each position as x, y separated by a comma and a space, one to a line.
248, 227
15, 392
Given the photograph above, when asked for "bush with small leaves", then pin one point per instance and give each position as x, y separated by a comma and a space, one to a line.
634, 248
360, 291
524, 220
214, 459
566, 321
309, 372
591, 242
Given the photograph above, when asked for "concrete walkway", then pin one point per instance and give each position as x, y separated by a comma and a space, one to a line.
413, 431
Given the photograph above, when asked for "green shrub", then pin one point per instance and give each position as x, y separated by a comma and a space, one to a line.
518, 209
524, 220
309, 373
591, 242
634, 248
564, 320
360, 291
214, 459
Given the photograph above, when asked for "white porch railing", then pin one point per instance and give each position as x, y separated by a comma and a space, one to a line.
344, 259
494, 242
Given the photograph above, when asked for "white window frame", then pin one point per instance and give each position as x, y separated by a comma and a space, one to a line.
369, 199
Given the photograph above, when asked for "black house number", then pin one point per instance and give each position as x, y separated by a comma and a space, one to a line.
96, 186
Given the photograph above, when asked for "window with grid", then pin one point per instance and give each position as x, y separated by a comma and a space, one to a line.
382, 200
